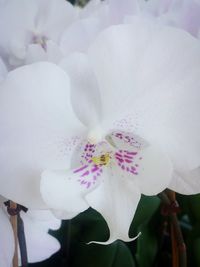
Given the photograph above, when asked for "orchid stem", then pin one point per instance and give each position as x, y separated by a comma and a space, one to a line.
13, 210
22, 241
13, 220
168, 198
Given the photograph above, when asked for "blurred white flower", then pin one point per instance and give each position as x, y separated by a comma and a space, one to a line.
40, 245
32, 29
184, 14
93, 18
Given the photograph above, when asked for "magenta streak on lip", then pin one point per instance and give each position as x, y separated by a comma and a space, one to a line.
88, 184
131, 153
118, 154
119, 159
128, 161
128, 157
80, 169
95, 168
85, 174
125, 161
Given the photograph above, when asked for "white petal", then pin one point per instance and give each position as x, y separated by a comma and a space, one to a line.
184, 15
85, 94
119, 9
40, 245
79, 35
63, 191
52, 25
172, 119
3, 70
190, 17
141, 71
154, 171
35, 53
156, 7
148, 165
187, 183
54, 53
63, 215
15, 20
38, 129
6, 240
44, 218
116, 199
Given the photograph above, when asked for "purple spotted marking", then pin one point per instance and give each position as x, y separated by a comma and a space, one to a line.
89, 173
126, 160
127, 138
88, 152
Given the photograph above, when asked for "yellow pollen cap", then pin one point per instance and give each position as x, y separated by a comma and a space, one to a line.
102, 160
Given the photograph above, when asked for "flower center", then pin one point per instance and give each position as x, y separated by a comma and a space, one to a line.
102, 160
41, 40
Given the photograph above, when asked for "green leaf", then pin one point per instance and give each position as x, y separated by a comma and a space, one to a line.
145, 210
196, 250
91, 226
94, 255
147, 247
194, 207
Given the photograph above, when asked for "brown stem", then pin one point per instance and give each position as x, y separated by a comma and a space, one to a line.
13, 220
175, 253
168, 199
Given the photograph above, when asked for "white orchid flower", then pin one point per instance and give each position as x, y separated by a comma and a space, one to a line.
32, 29
184, 14
114, 164
93, 18
120, 130
40, 245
